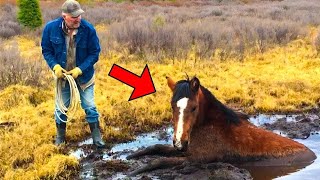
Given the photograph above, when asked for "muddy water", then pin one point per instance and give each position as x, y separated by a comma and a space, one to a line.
164, 136
311, 171
120, 151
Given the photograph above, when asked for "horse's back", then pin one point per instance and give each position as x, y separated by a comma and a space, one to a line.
302, 158
246, 143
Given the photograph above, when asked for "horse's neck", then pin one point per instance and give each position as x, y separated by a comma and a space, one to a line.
210, 109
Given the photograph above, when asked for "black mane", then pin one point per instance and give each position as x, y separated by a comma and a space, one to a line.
182, 89
231, 116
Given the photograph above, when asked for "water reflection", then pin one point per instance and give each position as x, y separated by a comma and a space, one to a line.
144, 140
261, 119
310, 172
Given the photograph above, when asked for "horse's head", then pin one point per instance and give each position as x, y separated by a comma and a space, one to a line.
185, 106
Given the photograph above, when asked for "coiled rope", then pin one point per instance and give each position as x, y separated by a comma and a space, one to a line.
74, 98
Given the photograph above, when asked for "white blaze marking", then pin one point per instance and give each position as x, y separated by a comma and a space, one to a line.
182, 104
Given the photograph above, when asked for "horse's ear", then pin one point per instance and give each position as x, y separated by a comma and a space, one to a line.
171, 83
194, 84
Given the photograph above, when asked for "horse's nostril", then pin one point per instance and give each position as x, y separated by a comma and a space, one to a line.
184, 146
185, 143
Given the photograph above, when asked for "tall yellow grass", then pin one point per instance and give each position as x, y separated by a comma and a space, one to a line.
284, 79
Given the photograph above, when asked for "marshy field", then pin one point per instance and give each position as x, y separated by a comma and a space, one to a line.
258, 57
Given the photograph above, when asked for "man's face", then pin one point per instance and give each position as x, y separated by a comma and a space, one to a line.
72, 22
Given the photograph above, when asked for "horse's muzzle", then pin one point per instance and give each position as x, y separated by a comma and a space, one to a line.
181, 146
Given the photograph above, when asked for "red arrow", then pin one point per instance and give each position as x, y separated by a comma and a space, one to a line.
143, 85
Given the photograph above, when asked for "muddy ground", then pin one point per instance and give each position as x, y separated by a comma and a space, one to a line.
95, 166
300, 128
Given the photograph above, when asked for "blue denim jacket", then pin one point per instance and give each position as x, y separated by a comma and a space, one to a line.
54, 48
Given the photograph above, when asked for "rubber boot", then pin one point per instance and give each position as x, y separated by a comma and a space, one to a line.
61, 133
96, 135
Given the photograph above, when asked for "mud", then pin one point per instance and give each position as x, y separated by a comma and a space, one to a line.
111, 163
201, 171
301, 127
118, 169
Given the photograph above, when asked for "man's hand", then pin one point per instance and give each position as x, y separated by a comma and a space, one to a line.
58, 71
75, 72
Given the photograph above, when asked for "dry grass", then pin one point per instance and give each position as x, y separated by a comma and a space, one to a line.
283, 79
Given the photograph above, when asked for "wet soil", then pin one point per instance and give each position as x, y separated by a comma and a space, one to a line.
201, 171
301, 127
111, 163
118, 169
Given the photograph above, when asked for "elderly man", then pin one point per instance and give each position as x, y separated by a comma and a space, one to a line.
70, 46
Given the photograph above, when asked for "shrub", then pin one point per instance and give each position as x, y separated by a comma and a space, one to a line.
9, 25
29, 13
104, 14
140, 37
317, 43
15, 70
50, 14
10, 29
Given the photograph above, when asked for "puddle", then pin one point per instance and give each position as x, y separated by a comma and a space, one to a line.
261, 119
144, 140
164, 136
310, 172
121, 151
294, 172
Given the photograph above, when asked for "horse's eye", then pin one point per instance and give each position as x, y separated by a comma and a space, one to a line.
193, 109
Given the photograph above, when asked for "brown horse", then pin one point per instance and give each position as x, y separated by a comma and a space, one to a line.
205, 130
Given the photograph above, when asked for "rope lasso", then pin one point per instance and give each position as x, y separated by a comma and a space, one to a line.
74, 98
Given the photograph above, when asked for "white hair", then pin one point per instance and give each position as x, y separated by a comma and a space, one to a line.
65, 14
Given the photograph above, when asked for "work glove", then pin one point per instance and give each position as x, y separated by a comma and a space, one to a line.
75, 72
58, 71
